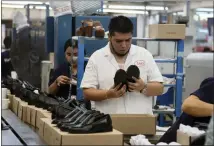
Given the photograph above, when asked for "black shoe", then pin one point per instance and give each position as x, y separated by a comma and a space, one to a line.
132, 71
61, 113
120, 77
71, 117
66, 124
101, 124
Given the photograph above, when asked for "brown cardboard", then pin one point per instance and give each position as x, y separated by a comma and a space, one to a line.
41, 127
22, 110
47, 134
16, 101
33, 116
10, 97
134, 123
54, 136
48, 114
29, 114
183, 138
41, 113
167, 31
24, 113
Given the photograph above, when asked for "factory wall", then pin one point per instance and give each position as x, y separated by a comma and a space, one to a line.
35, 14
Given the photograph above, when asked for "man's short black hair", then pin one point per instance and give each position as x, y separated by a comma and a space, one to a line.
7, 42
120, 24
70, 43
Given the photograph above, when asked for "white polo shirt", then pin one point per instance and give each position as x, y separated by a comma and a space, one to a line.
100, 72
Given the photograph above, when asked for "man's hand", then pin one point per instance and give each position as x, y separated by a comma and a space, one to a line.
62, 80
137, 86
115, 92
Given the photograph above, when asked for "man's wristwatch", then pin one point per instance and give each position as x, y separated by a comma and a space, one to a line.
144, 90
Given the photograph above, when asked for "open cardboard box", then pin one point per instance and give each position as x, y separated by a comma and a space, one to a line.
184, 139
22, 110
15, 104
41, 113
40, 129
167, 31
31, 115
10, 97
132, 124
53, 136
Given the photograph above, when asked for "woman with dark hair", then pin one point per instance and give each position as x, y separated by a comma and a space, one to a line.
59, 83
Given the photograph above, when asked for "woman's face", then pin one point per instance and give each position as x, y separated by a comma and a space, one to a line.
68, 53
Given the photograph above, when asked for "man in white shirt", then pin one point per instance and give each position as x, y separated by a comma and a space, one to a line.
98, 79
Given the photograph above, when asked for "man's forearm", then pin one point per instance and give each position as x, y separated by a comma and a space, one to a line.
95, 94
195, 107
154, 89
53, 88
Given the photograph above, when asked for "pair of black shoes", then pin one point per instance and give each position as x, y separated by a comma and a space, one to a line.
81, 120
123, 77
25, 91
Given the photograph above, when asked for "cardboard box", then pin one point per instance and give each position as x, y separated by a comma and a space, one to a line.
53, 136
183, 138
15, 104
22, 110
40, 128
167, 31
41, 113
33, 116
10, 97
134, 123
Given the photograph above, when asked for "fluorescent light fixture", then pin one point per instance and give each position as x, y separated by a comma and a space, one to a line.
42, 7
22, 6
205, 9
21, 2
124, 11
156, 8
134, 7
12, 6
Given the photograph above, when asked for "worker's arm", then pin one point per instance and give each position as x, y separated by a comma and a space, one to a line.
99, 95
53, 88
195, 107
61, 80
94, 94
154, 89
151, 89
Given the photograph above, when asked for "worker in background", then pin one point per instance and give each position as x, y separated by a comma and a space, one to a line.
60, 81
197, 108
119, 53
5, 58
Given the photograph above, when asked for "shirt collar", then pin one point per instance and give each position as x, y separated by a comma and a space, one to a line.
107, 51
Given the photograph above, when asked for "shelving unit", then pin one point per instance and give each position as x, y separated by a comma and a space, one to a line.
178, 61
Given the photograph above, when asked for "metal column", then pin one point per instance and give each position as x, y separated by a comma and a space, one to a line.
80, 67
179, 77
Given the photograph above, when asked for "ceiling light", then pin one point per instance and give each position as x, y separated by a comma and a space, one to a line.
205, 9
126, 7
124, 11
21, 2
134, 7
42, 7
12, 6
155, 8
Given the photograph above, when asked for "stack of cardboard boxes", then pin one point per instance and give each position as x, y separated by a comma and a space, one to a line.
40, 120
